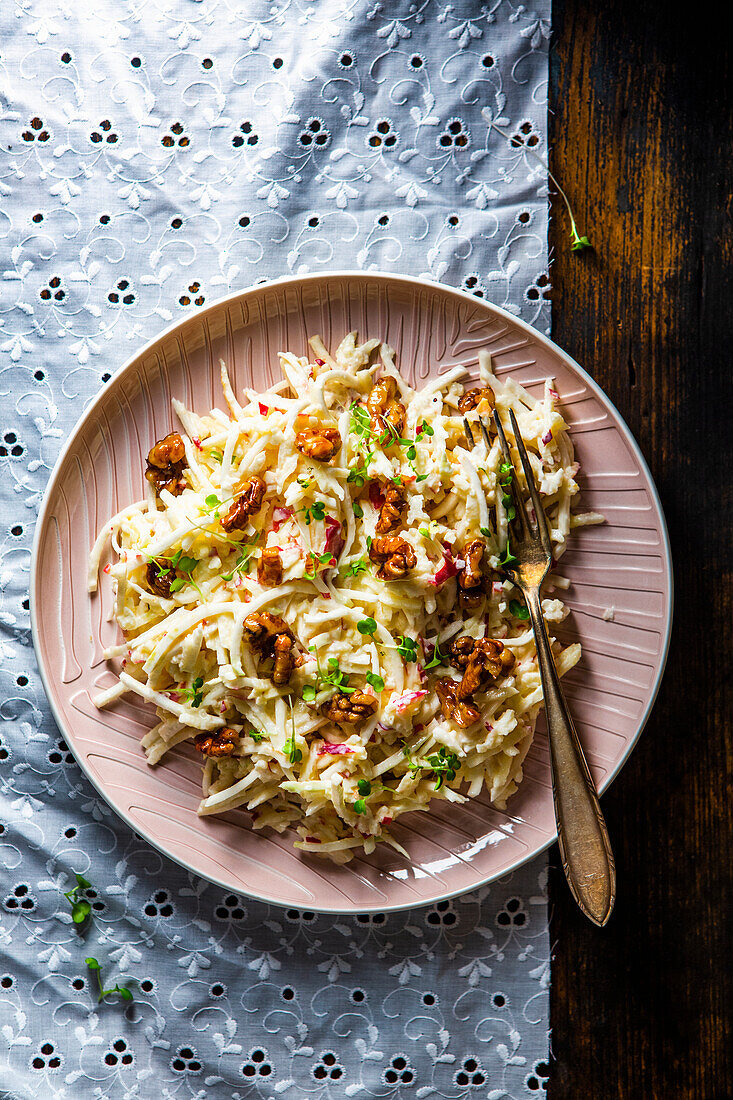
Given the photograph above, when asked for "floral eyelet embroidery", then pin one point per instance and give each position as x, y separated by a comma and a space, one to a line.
122, 294
455, 135
246, 135
20, 900
103, 133
186, 1062
328, 1068
443, 914
540, 289
175, 136
513, 915
537, 1081
35, 131
383, 136
399, 1071
471, 1074
47, 1057
53, 290
194, 294
118, 1054
314, 135
474, 284
230, 909
159, 905
525, 135
257, 1064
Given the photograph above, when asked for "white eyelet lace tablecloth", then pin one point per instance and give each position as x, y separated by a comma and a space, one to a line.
155, 155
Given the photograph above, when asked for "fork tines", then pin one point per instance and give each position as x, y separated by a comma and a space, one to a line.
539, 526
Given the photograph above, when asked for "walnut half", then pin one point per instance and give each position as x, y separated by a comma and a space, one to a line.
246, 504
471, 581
482, 660
390, 514
273, 639
394, 556
166, 463
473, 398
218, 743
385, 410
159, 580
319, 443
349, 710
455, 710
270, 567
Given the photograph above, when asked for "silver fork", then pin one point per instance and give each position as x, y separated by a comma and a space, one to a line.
582, 836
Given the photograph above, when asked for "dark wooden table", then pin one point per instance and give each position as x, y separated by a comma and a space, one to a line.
642, 140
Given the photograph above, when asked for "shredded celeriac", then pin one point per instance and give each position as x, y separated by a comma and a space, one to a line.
341, 787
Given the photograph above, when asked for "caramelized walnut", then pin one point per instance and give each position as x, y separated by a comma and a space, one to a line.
270, 567
482, 660
384, 408
246, 504
273, 639
319, 443
460, 650
160, 580
394, 556
473, 398
349, 710
471, 580
285, 654
390, 514
458, 711
166, 463
217, 743
261, 628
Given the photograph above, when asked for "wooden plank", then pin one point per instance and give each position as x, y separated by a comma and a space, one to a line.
642, 136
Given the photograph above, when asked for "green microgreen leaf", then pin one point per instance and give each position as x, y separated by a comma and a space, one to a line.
358, 510
518, 610
256, 736
485, 531
248, 549
364, 787
360, 806
375, 681
124, 992
315, 511
361, 565
438, 658
212, 500
292, 751
316, 560
80, 910
407, 648
309, 694
507, 559
367, 627
194, 694
217, 455
80, 907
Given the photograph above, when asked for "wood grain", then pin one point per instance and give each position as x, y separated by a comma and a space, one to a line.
641, 135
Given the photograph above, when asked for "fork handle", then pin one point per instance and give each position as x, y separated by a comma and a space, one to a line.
582, 836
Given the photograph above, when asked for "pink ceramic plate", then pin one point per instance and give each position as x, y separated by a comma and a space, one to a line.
623, 565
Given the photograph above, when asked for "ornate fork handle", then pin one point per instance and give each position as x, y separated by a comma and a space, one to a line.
585, 849
582, 836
